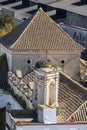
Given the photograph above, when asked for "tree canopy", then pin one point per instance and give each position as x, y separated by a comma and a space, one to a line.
7, 23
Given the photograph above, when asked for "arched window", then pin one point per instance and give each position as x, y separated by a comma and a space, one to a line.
51, 93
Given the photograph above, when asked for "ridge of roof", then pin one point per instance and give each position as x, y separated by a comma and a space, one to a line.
39, 32
40, 9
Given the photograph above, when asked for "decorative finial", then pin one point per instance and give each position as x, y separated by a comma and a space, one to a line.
40, 9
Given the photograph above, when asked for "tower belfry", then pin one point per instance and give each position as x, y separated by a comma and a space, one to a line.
46, 86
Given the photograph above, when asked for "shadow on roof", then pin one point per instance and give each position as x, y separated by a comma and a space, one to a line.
23, 6
56, 17
79, 4
19, 7
84, 55
32, 11
8, 2
5, 2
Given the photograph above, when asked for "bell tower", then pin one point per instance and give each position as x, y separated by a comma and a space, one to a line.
51, 88
46, 87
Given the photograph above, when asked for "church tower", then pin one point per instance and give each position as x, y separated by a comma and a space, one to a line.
46, 86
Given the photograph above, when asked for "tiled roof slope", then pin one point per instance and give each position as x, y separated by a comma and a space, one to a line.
40, 33
11, 37
70, 98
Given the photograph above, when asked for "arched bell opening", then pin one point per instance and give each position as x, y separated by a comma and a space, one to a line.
52, 93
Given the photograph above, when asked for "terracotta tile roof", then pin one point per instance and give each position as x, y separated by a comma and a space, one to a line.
70, 98
40, 33
80, 115
11, 37
29, 77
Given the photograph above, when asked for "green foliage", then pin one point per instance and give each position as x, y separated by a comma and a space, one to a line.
10, 90
7, 23
54, 67
58, 109
6, 19
18, 99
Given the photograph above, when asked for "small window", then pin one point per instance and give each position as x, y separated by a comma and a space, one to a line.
48, 60
62, 61
28, 61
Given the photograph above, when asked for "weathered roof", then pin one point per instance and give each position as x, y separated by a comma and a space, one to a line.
11, 37
39, 33
71, 96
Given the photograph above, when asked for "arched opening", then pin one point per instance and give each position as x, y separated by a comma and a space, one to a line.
51, 93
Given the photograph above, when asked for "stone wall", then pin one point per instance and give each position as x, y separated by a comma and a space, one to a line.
76, 19
20, 61
69, 62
